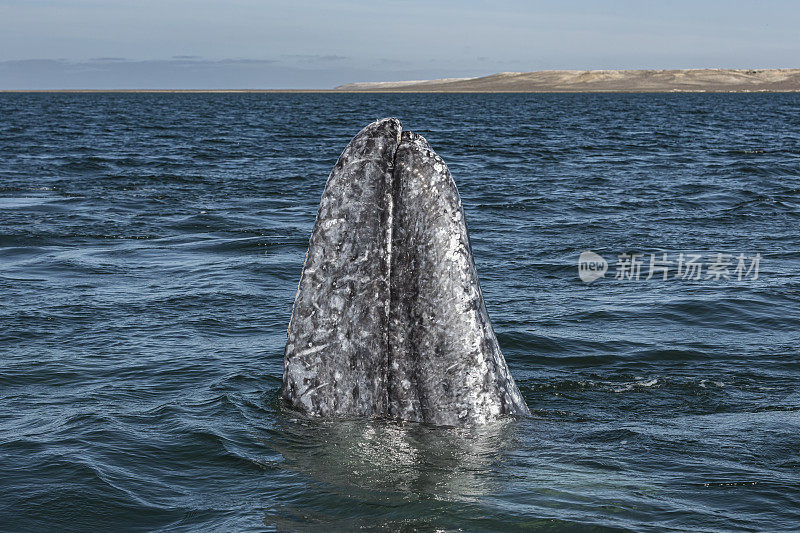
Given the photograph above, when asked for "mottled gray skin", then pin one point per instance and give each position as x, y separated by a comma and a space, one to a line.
445, 366
389, 319
335, 362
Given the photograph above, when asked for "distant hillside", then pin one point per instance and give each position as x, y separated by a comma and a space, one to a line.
683, 80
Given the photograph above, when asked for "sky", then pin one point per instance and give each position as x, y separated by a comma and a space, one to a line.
318, 44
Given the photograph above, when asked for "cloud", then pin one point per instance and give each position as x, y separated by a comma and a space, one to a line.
315, 58
244, 61
120, 73
190, 72
392, 61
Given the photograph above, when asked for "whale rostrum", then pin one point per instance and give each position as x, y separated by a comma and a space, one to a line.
389, 320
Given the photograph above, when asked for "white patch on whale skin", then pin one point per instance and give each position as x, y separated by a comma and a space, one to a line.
331, 222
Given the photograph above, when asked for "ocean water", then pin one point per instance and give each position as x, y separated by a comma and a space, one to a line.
150, 249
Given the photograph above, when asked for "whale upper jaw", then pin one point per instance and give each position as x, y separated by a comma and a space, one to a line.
389, 319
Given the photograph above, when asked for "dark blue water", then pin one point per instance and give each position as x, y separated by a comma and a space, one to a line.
150, 248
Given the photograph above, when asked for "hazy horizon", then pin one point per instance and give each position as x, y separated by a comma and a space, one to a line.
244, 44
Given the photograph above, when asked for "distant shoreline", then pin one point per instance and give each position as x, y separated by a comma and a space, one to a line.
383, 91
784, 80
610, 81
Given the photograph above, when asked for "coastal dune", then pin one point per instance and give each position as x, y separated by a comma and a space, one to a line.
677, 80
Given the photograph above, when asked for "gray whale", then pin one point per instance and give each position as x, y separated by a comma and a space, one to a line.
389, 320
